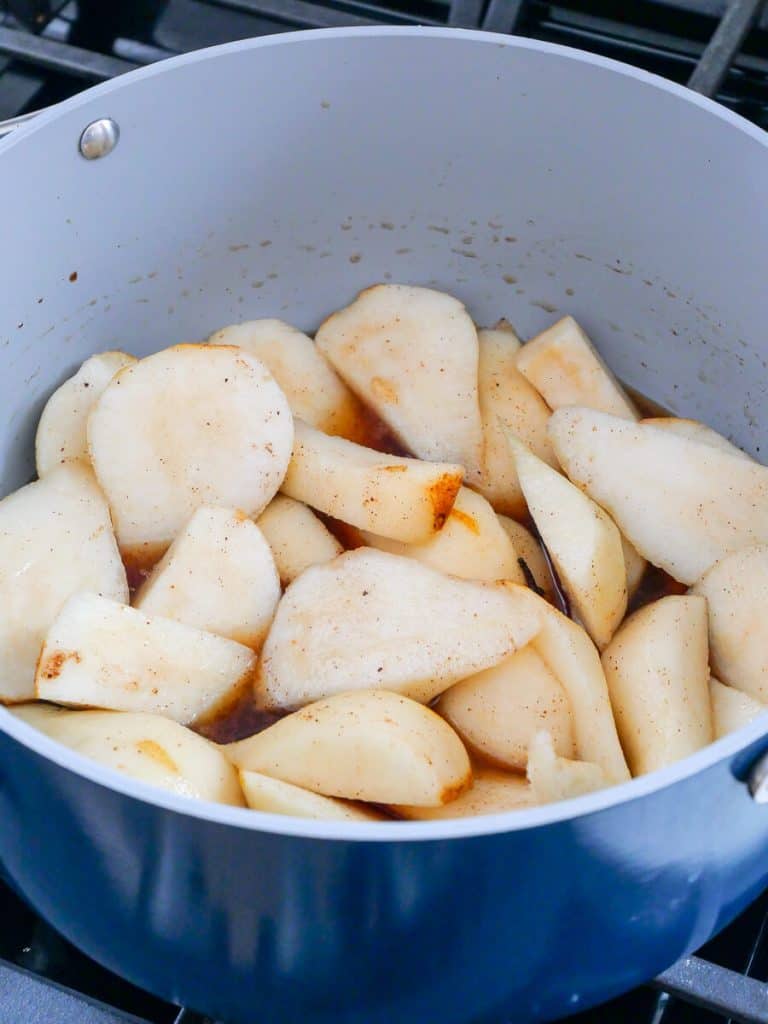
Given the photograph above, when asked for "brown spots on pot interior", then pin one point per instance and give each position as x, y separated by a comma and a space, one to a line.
239, 248
548, 307
325, 105
73, 277
509, 278
355, 257
466, 253
439, 229
265, 242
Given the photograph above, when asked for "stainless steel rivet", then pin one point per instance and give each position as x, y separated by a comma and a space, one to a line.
99, 138
758, 781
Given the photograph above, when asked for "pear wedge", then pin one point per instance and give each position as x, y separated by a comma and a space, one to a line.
369, 620
368, 745
658, 678
566, 369
99, 653
682, 504
296, 536
411, 354
61, 432
731, 708
492, 792
695, 431
529, 551
553, 777
263, 793
405, 499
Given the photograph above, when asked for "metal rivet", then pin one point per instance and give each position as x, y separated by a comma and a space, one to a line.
758, 781
99, 138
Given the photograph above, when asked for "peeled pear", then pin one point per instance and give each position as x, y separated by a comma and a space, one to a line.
218, 575
529, 550
736, 589
61, 435
583, 543
571, 656
296, 536
682, 504
566, 369
731, 708
497, 712
492, 792
507, 403
369, 619
472, 544
405, 499
147, 747
99, 653
635, 566
553, 777
315, 393
411, 354
658, 678
189, 426
263, 793
55, 540
368, 745
695, 431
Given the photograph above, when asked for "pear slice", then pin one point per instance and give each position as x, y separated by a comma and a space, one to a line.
566, 369
529, 551
99, 653
731, 708
315, 392
192, 425
368, 745
218, 576
405, 499
411, 354
369, 619
497, 712
507, 402
682, 504
553, 777
658, 677
635, 566
472, 544
572, 658
736, 589
296, 536
695, 431
583, 542
55, 539
263, 793
147, 747
492, 792
61, 435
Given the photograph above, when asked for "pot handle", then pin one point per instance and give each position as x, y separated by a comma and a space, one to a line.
96, 140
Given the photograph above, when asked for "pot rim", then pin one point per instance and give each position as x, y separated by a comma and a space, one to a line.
394, 831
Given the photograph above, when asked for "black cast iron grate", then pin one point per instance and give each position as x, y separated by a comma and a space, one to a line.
50, 49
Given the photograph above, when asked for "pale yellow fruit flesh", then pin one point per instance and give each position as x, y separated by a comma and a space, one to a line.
492, 792
274, 796
296, 536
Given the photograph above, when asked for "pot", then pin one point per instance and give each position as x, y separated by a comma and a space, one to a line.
277, 177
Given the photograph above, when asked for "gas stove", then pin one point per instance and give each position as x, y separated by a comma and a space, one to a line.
51, 49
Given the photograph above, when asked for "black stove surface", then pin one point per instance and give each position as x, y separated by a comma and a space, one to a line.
51, 49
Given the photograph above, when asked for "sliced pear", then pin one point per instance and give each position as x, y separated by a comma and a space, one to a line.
55, 539
61, 435
411, 354
695, 431
552, 777
368, 745
658, 677
405, 499
147, 747
296, 536
635, 566
192, 425
736, 589
507, 402
566, 369
497, 712
529, 550
492, 792
583, 543
218, 576
263, 793
99, 653
369, 619
472, 544
731, 708
315, 392
682, 504
571, 656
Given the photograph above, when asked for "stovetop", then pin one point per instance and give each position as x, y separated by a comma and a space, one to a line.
51, 49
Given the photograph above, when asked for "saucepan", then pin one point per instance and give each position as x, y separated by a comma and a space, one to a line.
288, 173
